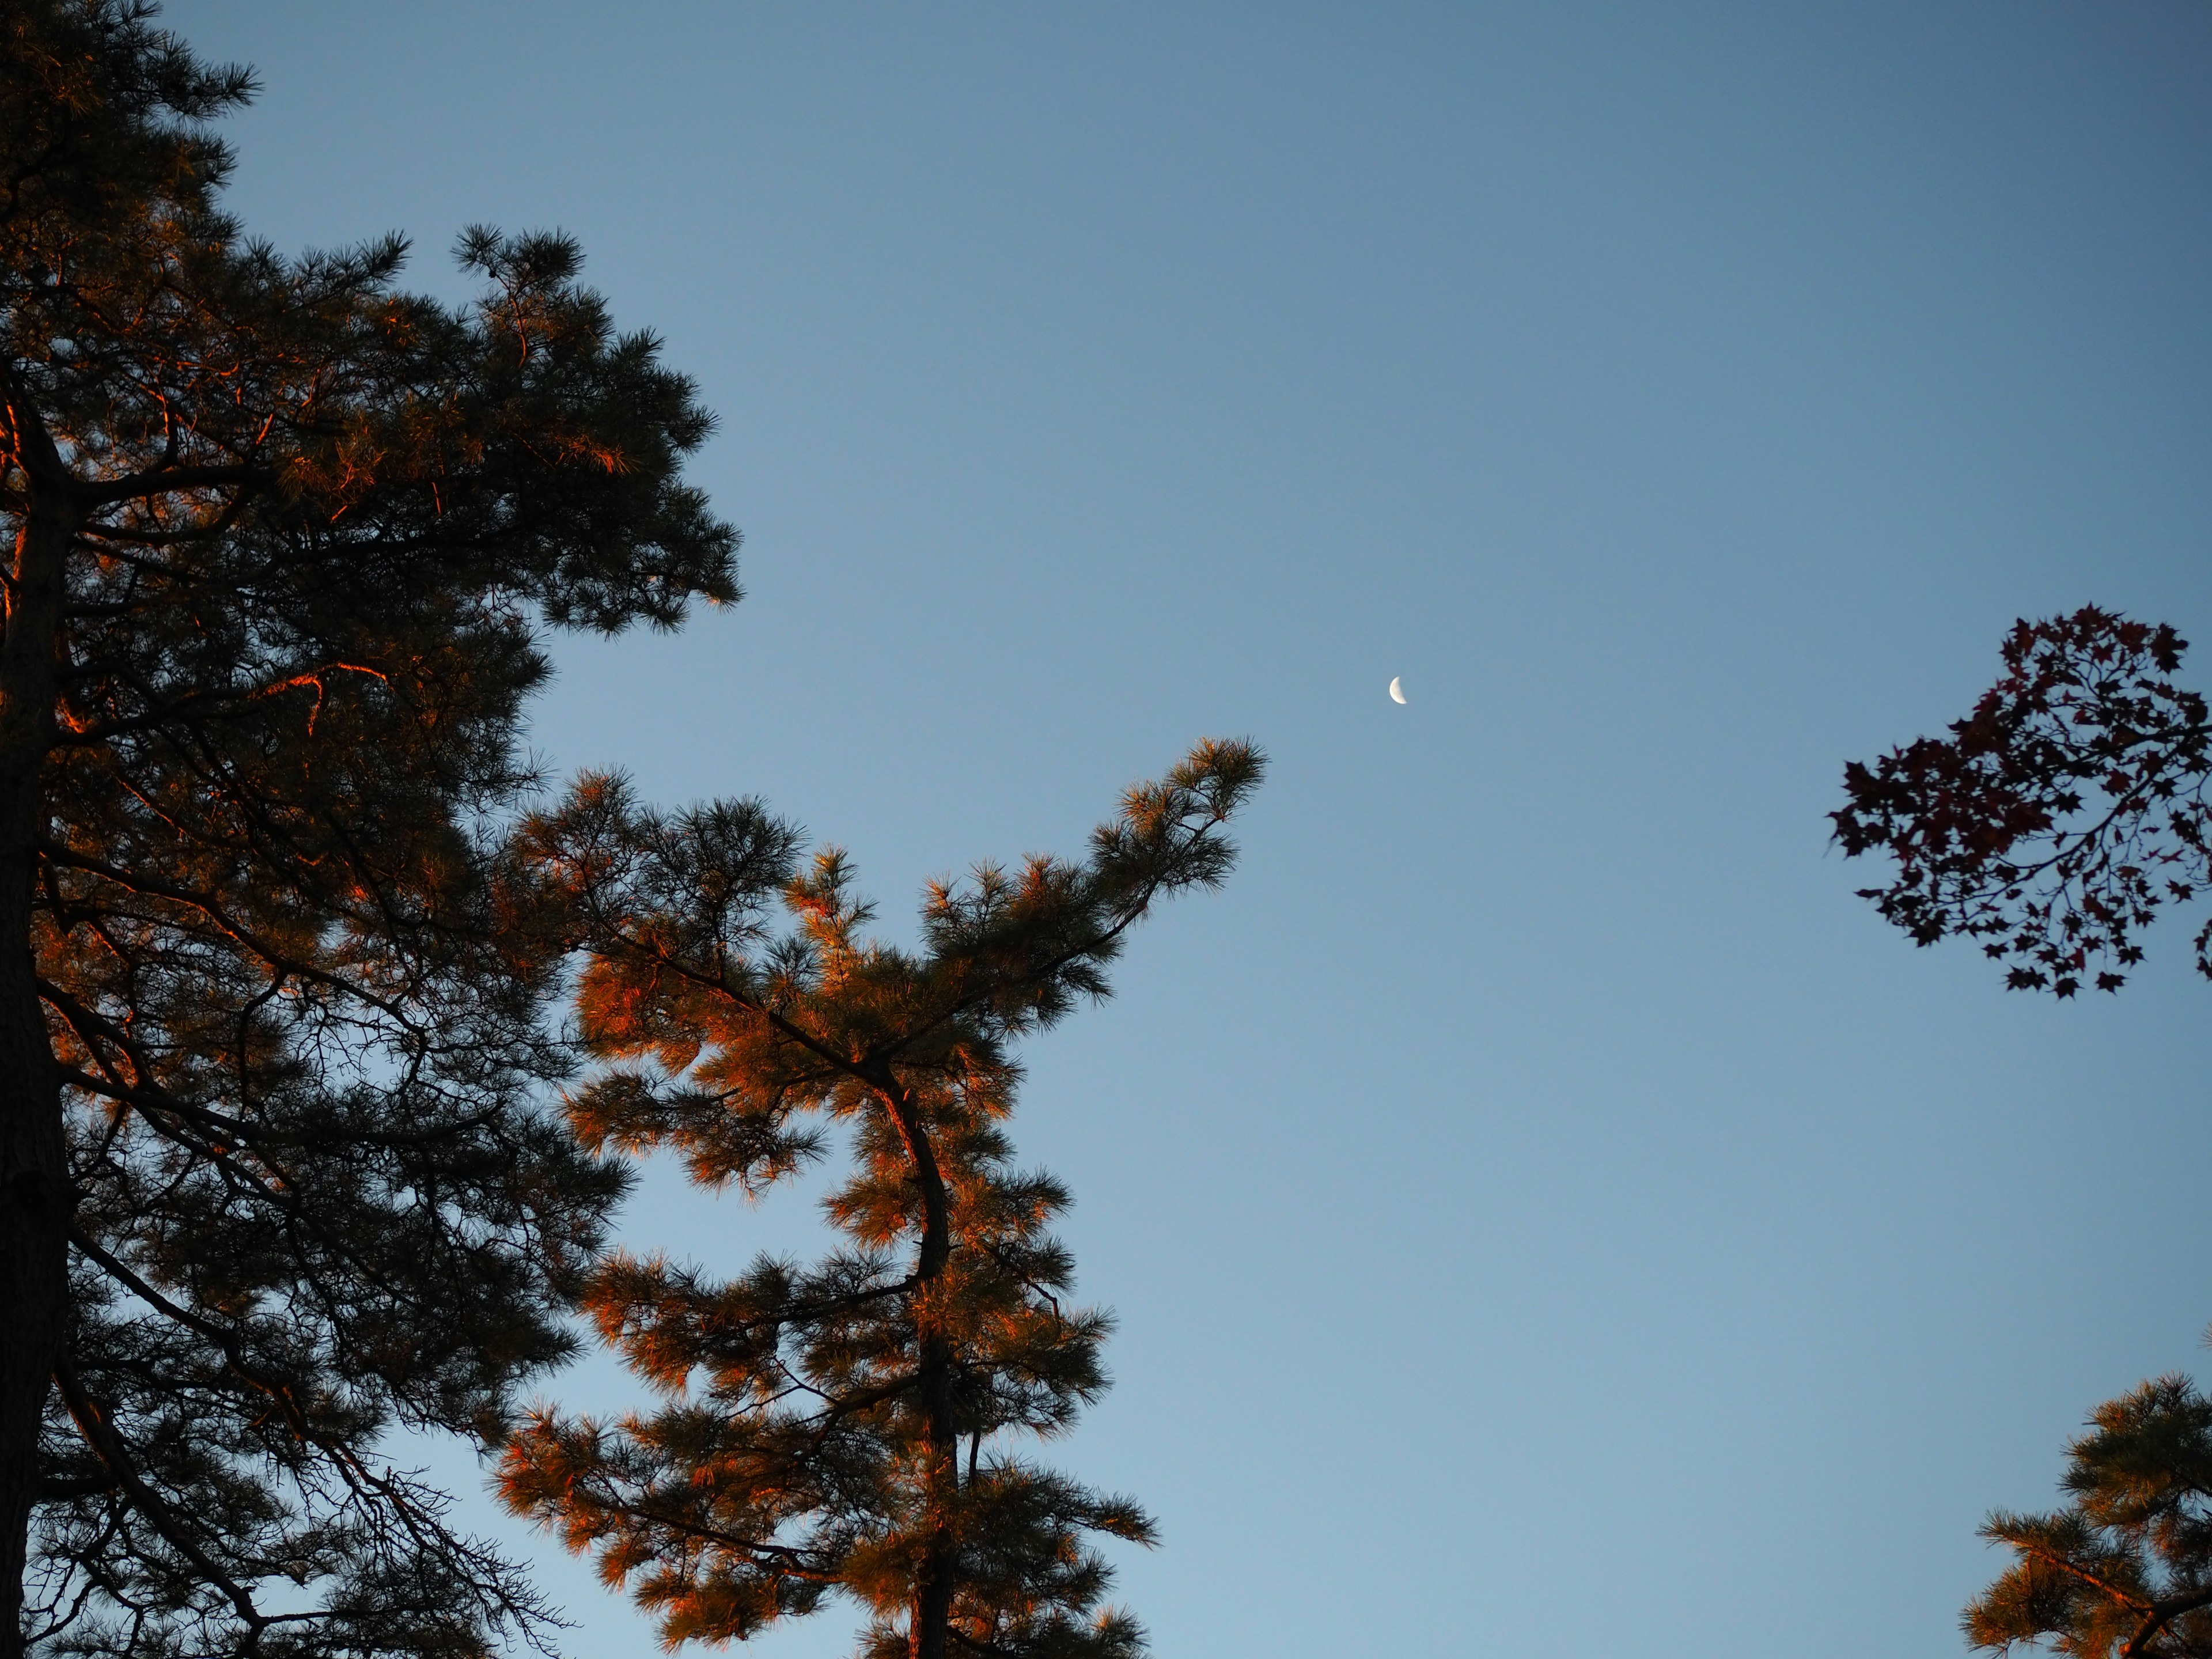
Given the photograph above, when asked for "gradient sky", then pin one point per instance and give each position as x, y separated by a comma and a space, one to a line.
1547, 1214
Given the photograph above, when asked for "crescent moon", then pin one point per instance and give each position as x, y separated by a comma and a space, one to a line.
1396, 695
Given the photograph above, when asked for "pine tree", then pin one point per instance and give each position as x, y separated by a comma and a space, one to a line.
2125, 1571
274, 1176
2060, 816
851, 1426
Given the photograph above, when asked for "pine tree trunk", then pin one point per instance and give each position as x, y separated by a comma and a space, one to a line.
35, 1210
933, 1585
931, 1616
35, 1201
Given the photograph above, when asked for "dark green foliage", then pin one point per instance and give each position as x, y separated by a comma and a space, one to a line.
282, 541
2126, 1568
854, 1425
2058, 818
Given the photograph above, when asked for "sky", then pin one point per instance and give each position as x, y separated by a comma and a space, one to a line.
1546, 1212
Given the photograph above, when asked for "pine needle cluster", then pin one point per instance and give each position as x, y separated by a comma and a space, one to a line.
2125, 1571
854, 1425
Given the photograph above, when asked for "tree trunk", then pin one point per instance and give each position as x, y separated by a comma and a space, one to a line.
931, 1616
35, 1201
35, 1209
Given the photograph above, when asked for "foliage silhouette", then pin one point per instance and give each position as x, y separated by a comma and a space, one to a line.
2059, 817
283, 540
816, 1417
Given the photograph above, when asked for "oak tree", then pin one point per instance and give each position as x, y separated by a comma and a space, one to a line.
283, 540
2058, 818
851, 1426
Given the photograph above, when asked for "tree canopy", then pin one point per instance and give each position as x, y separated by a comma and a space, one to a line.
2059, 817
274, 1176
851, 1426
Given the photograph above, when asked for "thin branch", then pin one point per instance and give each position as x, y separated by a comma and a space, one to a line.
107, 1445
166, 480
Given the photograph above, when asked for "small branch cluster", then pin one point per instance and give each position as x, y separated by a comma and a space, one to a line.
2058, 818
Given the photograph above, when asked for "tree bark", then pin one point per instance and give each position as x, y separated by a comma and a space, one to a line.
930, 1618
35, 1200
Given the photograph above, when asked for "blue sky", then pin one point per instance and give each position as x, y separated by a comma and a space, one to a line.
1546, 1212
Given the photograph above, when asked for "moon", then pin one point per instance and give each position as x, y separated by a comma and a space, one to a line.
1396, 695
